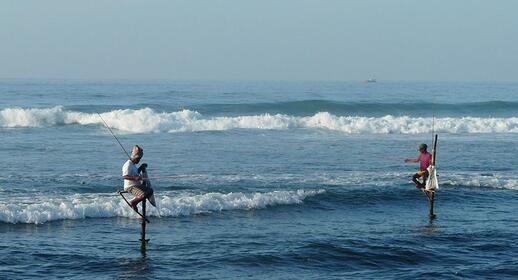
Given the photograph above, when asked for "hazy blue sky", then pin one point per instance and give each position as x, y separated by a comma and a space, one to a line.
260, 40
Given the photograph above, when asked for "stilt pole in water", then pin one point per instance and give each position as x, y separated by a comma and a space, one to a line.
143, 239
151, 198
431, 194
431, 200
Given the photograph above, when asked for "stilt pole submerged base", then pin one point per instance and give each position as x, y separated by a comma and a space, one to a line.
431, 200
143, 240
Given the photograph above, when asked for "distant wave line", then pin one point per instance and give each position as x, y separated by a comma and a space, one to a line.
147, 120
340, 107
350, 108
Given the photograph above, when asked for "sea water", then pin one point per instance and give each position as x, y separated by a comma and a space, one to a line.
258, 180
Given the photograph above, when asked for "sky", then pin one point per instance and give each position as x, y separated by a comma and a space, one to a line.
444, 40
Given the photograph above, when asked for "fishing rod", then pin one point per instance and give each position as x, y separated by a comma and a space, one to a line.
113, 134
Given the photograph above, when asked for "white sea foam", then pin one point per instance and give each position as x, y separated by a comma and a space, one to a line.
147, 121
18, 117
80, 206
498, 181
360, 179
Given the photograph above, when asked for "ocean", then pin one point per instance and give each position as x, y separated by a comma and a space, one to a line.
258, 180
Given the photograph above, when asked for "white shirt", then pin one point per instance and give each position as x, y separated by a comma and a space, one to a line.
130, 169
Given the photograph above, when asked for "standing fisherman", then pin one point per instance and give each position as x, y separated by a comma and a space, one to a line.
133, 181
424, 159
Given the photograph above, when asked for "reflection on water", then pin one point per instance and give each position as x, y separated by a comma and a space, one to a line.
135, 268
430, 228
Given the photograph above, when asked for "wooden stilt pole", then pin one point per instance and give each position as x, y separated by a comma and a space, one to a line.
143, 239
434, 150
431, 194
431, 200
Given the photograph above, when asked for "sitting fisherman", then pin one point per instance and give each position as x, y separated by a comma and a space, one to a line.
133, 182
424, 159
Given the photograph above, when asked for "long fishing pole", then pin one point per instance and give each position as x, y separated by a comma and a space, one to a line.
113, 134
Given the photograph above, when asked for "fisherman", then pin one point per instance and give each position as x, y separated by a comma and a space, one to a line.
133, 181
424, 159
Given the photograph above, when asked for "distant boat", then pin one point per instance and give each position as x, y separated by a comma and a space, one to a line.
370, 80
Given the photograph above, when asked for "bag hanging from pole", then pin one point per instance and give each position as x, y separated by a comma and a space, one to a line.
431, 183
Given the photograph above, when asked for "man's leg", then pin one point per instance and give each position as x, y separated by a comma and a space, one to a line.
139, 194
136, 201
425, 178
415, 178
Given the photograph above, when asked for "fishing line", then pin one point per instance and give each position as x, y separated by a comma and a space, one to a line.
105, 124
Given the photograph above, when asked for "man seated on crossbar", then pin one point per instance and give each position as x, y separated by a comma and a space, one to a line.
133, 181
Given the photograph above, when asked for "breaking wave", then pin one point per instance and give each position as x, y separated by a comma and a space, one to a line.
147, 120
81, 206
496, 181
377, 109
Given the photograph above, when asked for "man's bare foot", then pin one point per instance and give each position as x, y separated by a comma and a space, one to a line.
422, 188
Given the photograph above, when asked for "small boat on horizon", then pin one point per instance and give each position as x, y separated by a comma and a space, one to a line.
370, 80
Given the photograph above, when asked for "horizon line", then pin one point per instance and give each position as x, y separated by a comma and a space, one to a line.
243, 80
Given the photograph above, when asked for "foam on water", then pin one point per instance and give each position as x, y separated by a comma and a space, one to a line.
81, 206
497, 181
33, 117
23, 208
148, 121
